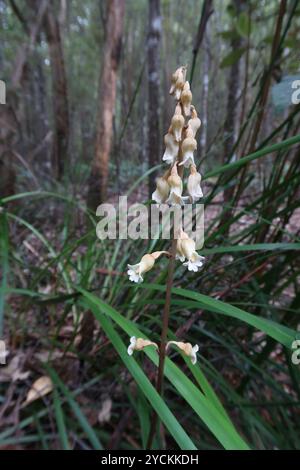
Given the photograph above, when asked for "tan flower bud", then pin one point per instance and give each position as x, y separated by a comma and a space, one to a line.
189, 145
194, 123
172, 147
186, 99
193, 184
174, 179
160, 195
186, 348
176, 187
177, 123
177, 82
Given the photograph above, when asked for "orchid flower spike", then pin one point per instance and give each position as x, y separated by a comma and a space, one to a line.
135, 271
176, 188
189, 145
187, 349
186, 99
160, 195
186, 249
177, 123
194, 123
138, 344
172, 147
193, 184
177, 82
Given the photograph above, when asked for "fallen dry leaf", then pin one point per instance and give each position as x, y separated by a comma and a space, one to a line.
39, 388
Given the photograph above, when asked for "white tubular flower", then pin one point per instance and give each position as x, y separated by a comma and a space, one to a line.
187, 349
176, 187
194, 123
172, 147
177, 123
135, 271
177, 82
189, 145
138, 344
193, 184
186, 248
160, 195
186, 99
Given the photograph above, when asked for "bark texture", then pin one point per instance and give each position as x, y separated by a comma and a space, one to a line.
231, 114
153, 43
107, 98
60, 146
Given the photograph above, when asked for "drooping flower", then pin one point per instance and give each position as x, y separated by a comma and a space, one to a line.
194, 123
186, 99
176, 187
177, 82
187, 349
193, 184
172, 147
138, 344
189, 145
136, 271
160, 195
186, 249
180, 236
177, 123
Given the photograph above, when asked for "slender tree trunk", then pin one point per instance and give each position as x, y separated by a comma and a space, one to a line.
207, 11
232, 97
154, 36
24, 50
9, 114
268, 77
60, 94
107, 97
232, 113
204, 110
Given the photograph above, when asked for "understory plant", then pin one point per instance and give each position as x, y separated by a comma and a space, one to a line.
180, 145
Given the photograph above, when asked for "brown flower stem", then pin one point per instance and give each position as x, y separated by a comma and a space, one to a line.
163, 337
166, 316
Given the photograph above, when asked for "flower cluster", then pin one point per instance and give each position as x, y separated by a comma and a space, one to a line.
138, 344
180, 145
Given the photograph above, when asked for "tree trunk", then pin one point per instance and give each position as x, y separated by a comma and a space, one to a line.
231, 115
154, 35
204, 110
207, 11
107, 97
232, 97
9, 114
60, 94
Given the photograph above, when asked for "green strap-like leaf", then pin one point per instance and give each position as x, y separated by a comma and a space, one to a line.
280, 333
215, 420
